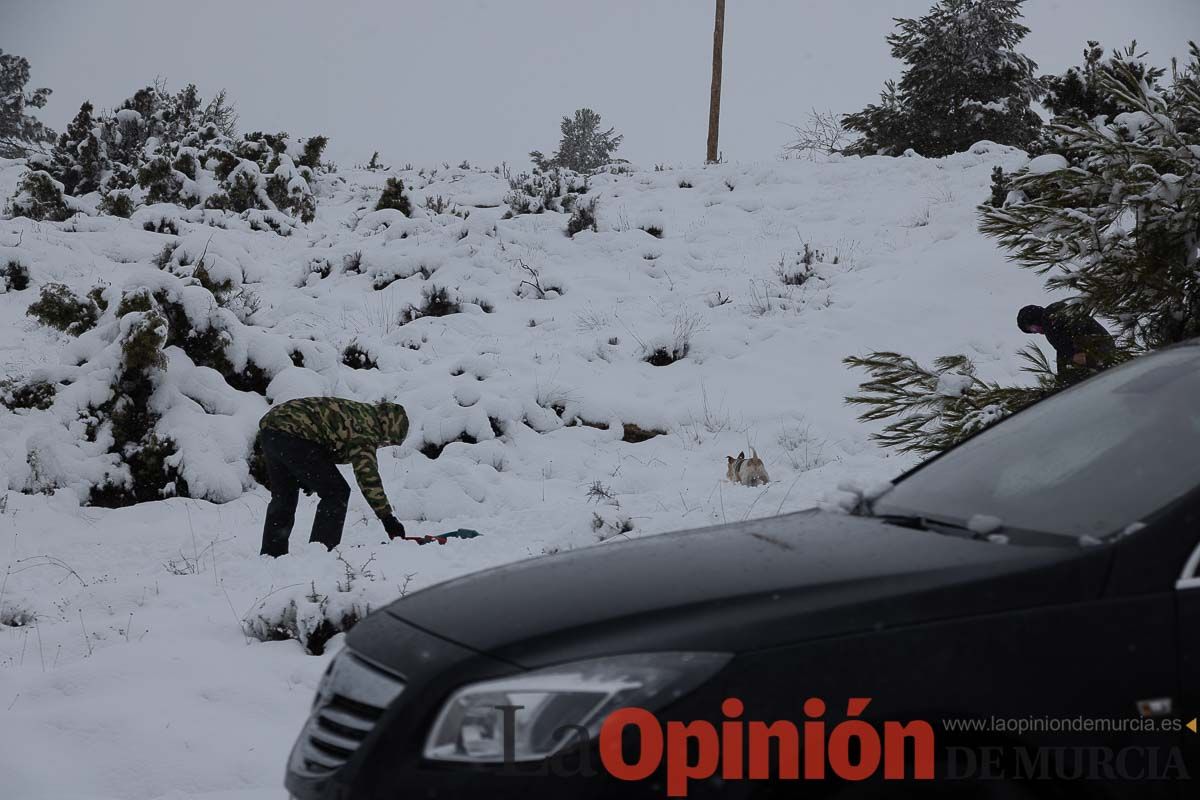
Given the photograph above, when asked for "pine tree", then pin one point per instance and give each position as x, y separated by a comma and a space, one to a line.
964, 82
1112, 215
79, 160
20, 132
1080, 93
583, 147
934, 409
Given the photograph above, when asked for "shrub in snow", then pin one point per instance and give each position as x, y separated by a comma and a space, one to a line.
40, 197
553, 190
440, 205
37, 394
393, 196
14, 276
320, 267
148, 468
313, 617
60, 307
583, 218
796, 269
964, 82
312, 623
352, 263
534, 285
268, 172
437, 301
20, 132
678, 345
1111, 213
118, 203
822, 135
608, 526
1001, 188
582, 146
357, 356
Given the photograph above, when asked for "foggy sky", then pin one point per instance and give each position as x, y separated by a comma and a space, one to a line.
487, 80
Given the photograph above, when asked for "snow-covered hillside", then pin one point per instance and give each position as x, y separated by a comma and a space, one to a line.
125, 669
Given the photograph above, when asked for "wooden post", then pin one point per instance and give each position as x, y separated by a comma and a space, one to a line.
714, 104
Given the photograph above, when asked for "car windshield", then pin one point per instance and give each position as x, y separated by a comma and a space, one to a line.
1088, 462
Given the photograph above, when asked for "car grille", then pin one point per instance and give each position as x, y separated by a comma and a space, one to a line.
351, 698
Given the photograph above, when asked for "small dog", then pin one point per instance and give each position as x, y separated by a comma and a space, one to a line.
746, 471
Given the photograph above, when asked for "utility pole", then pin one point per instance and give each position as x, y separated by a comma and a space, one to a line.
714, 103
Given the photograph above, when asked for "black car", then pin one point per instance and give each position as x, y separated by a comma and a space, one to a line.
1031, 596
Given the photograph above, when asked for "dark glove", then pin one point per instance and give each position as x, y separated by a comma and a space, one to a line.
394, 529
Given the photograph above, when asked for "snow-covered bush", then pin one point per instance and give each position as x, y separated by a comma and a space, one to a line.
60, 307
394, 196
14, 276
667, 349
357, 355
552, 190
312, 616
37, 394
436, 301
799, 267
583, 218
40, 197
170, 148
162, 396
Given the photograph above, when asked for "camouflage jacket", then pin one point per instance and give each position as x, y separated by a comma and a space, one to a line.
1071, 332
350, 430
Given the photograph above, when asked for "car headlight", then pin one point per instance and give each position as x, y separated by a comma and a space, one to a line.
535, 714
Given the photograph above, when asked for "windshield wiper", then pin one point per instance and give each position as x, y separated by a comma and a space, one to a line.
920, 523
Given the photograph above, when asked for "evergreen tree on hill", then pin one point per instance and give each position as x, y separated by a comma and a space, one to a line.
964, 82
20, 132
583, 147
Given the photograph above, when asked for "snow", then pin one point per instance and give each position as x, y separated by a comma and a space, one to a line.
951, 384
138, 666
1051, 162
983, 524
128, 116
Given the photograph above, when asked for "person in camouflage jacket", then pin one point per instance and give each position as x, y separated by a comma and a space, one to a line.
302, 443
1082, 345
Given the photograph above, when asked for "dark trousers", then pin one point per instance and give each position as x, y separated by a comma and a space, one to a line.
294, 464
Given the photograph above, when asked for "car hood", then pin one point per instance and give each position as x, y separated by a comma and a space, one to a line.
742, 587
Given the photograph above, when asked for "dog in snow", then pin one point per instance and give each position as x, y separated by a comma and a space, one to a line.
746, 471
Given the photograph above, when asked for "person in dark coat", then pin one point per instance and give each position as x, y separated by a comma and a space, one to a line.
1082, 344
303, 441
